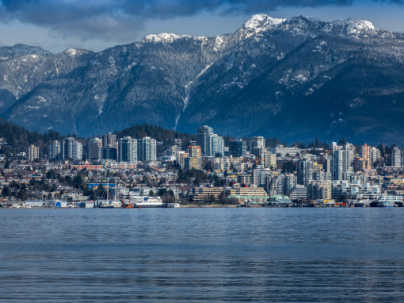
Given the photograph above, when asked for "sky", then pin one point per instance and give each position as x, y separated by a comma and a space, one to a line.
95, 25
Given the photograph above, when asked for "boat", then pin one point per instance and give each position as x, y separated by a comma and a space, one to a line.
385, 204
109, 203
149, 202
388, 201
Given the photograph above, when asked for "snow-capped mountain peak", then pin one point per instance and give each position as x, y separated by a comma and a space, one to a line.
262, 22
258, 23
163, 38
350, 27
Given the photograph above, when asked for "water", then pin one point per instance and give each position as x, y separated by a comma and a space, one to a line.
202, 255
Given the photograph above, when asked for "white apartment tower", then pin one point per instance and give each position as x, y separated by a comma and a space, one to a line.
32, 152
127, 150
396, 157
146, 149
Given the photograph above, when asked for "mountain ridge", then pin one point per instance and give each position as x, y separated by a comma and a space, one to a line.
181, 82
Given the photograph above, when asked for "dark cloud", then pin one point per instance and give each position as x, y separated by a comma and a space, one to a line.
121, 20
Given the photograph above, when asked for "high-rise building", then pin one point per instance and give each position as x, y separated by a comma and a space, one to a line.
256, 142
95, 149
304, 172
321, 175
194, 151
202, 138
237, 148
276, 186
146, 149
181, 156
55, 150
71, 149
109, 153
396, 157
215, 146
109, 140
260, 176
374, 155
319, 190
366, 154
192, 162
327, 165
32, 152
127, 150
290, 182
341, 160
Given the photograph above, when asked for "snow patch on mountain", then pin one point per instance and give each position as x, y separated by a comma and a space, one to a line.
258, 23
162, 38
350, 27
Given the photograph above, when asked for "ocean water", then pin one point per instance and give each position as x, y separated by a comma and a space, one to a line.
202, 255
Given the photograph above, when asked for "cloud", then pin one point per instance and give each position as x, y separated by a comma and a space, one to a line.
123, 20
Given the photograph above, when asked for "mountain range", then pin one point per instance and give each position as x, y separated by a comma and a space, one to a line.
295, 79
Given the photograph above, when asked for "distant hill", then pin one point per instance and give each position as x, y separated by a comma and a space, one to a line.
19, 138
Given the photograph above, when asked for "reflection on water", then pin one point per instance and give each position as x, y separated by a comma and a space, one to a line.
202, 255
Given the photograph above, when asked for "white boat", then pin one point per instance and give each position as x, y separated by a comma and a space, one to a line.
16, 205
109, 203
149, 202
114, 203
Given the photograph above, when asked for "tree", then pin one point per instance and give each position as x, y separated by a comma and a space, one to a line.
77, 181
151, 194
6, 192
7, 164
222, 197
22, 195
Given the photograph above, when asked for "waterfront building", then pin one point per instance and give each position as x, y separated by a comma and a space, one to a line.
201, 194
127, 150
319, 190
32, 152
248, 195
203, 137
298, 192
237, 148
146, 149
